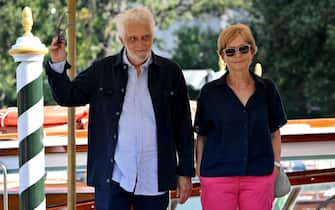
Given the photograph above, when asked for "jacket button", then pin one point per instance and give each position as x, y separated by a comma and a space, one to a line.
122, 90
114, 136
125, 67
101, 89
197, 129
117, 113
171, 93
111, 160
108, 180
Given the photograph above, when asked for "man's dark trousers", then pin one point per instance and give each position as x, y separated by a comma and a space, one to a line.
115, 198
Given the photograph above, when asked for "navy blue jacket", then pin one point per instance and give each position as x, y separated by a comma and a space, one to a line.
103, 87
238, 139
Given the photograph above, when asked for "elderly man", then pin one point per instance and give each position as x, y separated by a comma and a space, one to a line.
140, 134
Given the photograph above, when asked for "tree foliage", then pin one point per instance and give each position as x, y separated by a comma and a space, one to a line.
196, 48
296, 41
95, 29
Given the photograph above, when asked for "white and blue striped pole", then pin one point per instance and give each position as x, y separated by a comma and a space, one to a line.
28, 52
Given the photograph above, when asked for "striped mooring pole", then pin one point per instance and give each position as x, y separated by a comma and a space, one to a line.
29, 52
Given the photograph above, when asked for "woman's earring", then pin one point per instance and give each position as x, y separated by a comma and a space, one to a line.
258, 69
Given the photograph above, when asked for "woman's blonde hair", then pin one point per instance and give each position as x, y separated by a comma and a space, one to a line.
134, 15
231, 32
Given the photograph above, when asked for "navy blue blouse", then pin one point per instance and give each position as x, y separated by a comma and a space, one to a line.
238, 138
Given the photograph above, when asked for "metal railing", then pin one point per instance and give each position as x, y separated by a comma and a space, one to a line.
324, 204
5, 192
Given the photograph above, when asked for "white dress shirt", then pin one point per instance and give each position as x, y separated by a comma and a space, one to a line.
136, 166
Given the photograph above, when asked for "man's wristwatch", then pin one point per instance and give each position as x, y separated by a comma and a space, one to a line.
277, 164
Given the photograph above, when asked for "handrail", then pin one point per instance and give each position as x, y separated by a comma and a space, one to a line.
312, 176
291, 198
325, 203
315, 137
5, 192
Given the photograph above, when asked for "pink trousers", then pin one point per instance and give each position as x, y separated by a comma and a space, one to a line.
242, 192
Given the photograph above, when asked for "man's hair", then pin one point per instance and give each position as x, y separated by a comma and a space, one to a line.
231, 32
134, 15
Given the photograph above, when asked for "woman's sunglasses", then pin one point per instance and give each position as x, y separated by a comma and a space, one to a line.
231, 51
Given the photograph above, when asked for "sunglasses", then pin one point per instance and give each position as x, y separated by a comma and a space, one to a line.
231, 51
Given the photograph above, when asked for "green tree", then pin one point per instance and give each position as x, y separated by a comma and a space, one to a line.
196, 49
196, 46
296, 41
10, 13
96, 34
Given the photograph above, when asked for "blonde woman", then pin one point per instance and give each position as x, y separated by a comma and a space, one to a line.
237, 121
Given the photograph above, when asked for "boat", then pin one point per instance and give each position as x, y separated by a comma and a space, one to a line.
303, 139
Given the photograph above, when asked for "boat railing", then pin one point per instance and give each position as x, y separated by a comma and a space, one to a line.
312, 142
324, 204
5, 191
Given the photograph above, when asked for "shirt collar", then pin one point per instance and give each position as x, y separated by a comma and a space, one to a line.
258, 80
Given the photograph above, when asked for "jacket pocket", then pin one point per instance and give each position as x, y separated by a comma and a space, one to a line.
106, 92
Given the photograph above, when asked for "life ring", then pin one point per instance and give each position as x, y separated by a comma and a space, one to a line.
53, 115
